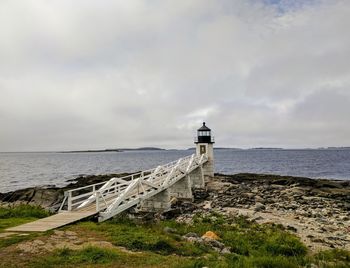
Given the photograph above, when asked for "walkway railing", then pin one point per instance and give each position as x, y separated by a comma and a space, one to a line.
118, 194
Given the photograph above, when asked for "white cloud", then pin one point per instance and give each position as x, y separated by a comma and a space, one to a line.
82, 74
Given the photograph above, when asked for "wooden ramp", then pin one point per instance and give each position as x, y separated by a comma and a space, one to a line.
52, 222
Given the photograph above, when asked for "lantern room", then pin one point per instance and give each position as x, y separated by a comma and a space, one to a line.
204, 135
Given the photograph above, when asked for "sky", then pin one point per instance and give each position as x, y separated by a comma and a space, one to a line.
89, 74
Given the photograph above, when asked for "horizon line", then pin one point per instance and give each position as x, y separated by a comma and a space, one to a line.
151, 148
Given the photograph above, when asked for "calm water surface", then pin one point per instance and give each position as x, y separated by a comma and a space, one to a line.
20, 170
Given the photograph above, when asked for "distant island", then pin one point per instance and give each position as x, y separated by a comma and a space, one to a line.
335, 148
193, 148
143, 149
266, 148
116, 150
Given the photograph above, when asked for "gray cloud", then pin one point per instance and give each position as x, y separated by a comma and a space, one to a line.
81, 74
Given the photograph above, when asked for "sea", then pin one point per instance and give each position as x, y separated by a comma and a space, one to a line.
22, 170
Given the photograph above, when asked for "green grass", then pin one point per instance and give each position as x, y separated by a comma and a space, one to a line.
104, 257
10, 222
17, 215
335, 258
145, 237
14, 239
23, 211
88, 255
252, 245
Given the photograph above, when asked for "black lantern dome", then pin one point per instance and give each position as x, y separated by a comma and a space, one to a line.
204, 135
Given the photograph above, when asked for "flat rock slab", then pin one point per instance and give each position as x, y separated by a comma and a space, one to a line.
52, 222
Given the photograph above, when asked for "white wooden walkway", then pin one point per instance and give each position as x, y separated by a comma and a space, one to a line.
110, 198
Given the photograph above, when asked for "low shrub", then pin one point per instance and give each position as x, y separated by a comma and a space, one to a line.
334, 258
23, 211
279, 243
269, 262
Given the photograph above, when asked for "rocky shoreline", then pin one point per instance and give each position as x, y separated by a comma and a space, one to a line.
318, 211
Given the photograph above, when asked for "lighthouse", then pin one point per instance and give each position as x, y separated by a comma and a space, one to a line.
204, 145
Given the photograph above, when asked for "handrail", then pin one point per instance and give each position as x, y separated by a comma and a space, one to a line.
117, 188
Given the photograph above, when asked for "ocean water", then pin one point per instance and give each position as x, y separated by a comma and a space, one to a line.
21, 170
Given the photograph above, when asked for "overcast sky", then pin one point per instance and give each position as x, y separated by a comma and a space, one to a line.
87, 74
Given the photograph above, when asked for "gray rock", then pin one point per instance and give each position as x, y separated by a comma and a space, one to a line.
225, 251
292, 228
191, 235
259, 207
344, 218
214, 243
193, 239
169, 230
259, 199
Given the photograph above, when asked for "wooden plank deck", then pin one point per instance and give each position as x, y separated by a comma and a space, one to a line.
52, 222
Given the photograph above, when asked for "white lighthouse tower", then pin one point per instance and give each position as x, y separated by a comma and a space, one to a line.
204, 145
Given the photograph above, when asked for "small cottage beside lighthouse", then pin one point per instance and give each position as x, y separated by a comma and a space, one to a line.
204, 145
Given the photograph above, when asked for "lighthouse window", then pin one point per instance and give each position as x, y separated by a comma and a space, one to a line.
203, 133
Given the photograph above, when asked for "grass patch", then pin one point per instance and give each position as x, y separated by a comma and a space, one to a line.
103, 257
153, 245
145, 237
14, 239
7, 223
281, 243
252, 245
334, 258
23, 211
17, 215
267, 262
88, 255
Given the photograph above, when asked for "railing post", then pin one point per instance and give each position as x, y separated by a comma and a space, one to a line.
64, 200
69, 201
97, 202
